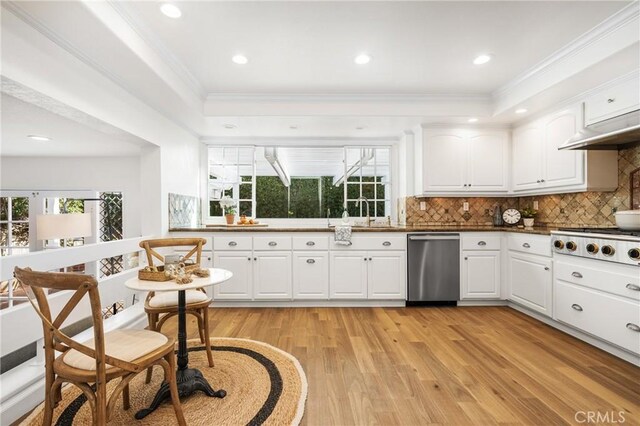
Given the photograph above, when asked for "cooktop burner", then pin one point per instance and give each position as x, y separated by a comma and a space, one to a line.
606, 231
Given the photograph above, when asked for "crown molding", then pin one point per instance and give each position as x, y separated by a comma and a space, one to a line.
297, 141
338, 97
172, 61
609, 25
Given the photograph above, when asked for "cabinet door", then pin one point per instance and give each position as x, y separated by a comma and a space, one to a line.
348, 279
310, 275
527, 158
562, 167
445, 165
481, 274
530, 282
386, 273
239, 286
272, 275
487, 162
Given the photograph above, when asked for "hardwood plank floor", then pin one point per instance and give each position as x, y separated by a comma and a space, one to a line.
418, 366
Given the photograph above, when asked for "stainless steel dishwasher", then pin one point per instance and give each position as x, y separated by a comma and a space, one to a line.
433, 269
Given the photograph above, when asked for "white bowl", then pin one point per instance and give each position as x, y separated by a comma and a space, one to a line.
628, 220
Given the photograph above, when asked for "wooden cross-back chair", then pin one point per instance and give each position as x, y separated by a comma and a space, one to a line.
106, 357
164, 305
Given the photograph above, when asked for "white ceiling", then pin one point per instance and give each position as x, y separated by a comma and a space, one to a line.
417, 47
68, 138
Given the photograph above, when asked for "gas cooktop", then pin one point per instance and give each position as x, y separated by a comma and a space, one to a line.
602, 231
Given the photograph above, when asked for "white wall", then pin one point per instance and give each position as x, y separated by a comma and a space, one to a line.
79, 173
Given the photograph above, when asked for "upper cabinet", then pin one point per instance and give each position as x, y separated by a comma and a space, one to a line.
538, 167
617, 99
461, 160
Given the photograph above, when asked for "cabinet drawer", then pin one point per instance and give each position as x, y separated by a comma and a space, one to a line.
372, 243
618, 282
528, 243
312, 242
612, 102
480, 242
232, 243
604, 316
272, 243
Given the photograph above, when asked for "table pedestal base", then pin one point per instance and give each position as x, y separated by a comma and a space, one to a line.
189, 381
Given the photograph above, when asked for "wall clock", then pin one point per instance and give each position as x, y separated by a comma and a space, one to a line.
511, 216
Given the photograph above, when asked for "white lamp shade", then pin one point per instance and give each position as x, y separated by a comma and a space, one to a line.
68, 225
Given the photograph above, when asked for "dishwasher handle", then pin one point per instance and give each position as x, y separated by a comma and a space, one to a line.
434, 237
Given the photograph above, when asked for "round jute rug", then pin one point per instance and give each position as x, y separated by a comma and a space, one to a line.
264, 385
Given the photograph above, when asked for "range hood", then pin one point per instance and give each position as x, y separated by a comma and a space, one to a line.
610, 134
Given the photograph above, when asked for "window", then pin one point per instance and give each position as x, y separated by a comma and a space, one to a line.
300, 182
14, 225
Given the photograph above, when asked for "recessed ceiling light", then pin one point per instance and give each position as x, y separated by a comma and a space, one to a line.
362, 59
240, 59
359, 128
482, 59
293, 127
521, 110
472, 120
229, 126
171, 10
39, 138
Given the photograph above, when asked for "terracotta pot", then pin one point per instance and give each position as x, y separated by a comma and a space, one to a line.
231, 218
528, 222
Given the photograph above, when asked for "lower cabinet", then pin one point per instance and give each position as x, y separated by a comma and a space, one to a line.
272, 275
239, 287
367, 275
311, 275
531, 281
481, 274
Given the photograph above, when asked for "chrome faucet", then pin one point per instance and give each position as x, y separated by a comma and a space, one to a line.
367, 202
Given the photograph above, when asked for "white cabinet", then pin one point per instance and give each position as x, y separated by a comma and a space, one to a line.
530, 282
461, 160
272, 275
386, 275
480, 274
311, 275
612, 101
538, 167
239, 287
348, 275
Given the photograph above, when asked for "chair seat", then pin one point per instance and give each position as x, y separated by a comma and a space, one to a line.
170, 298
126, 345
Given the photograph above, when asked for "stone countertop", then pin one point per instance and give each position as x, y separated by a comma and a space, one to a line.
540, 230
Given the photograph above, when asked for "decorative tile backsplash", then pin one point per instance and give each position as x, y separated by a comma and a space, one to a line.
575, 209
184, 211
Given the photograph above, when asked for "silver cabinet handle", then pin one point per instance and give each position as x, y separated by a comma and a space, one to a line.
465, 185
469, 185
365, 259
538, 181
273, 243
232, 243
633, 327
611, 100
526, 245
248, 258
541, 180
633, 287
577, 274
546, 268
577, 307
386, 243
370, 259
311, 261
311, 243
466, 258
255, 259
482, 243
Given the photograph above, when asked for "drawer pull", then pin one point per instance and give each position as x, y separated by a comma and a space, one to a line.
577, 307
311, 243
273, 243
633, 287
248, 258
482, 243
255, 259
311, 261
576, 274
526, 245
232, 243
546, 268
611, 100
633, 327
386, 243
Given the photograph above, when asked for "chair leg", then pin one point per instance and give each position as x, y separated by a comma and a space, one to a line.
49, 397
153, 320
200, 327
101, 404
125, 397
170, 377
207, 337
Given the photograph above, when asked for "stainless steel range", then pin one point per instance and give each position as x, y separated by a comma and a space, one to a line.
606, 244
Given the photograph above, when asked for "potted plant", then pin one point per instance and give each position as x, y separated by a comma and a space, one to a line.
229, 209
528, 216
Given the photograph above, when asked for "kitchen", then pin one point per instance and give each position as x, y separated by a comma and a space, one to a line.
434, 238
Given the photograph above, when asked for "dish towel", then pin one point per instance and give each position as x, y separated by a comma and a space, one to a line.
343, 235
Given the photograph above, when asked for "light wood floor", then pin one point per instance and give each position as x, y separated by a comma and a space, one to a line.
417, 366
